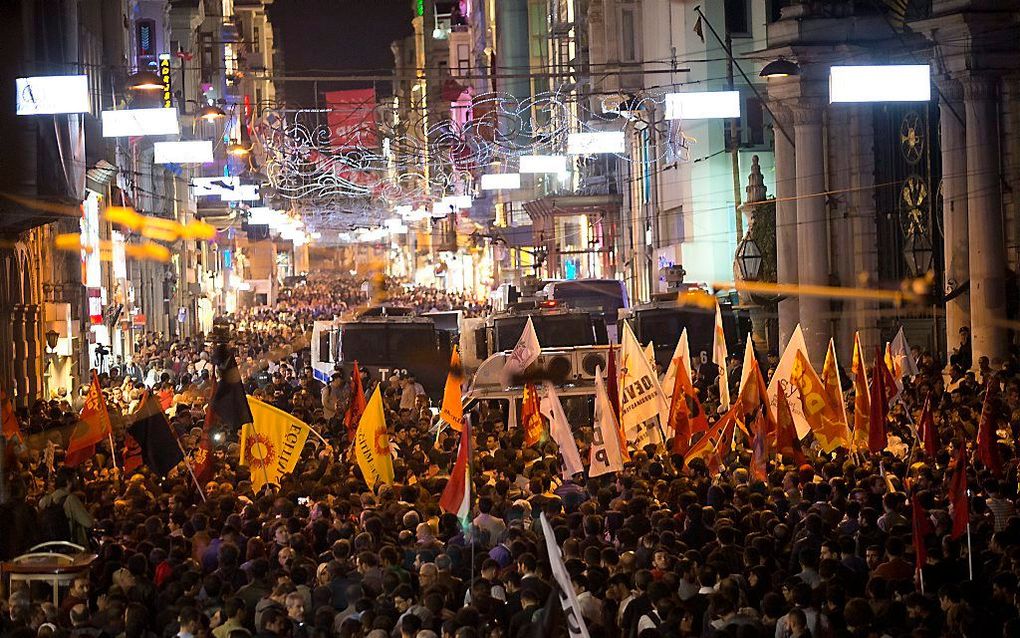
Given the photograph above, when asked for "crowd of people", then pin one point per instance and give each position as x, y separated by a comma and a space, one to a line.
823, 547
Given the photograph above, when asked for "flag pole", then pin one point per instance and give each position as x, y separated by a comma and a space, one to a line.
970, 552
469, 486
185, 460
113, 451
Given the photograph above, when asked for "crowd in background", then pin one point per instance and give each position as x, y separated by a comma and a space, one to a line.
823, 548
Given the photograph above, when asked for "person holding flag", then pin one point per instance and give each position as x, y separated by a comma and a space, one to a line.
93, 426
456, 497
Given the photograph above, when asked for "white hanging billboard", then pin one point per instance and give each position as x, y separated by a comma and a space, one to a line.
501, 181
597, 142
534, 164
886, 83
52, 94
214, 186
702, 105
139, 122
190, 152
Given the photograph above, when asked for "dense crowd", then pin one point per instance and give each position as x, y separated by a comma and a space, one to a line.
822, 548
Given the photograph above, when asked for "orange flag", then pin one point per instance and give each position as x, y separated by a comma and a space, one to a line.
787, 441
93, 424
822, 416
707, 446
834, 388
453, 403
685, 414
862, 398
531, 417
11, 428
760, 452
357, 405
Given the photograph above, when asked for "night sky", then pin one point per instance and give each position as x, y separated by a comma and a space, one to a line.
336, 36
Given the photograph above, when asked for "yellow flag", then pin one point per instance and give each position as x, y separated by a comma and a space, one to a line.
453, 406
823, 416
862, 400
833, 385
372, 443
271, 445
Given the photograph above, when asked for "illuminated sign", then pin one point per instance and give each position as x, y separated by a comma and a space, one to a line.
190, 152
543, 164
139, 122
164, 74
887, 83
598, 142
501, 181
702, 105
51, 94
243, 193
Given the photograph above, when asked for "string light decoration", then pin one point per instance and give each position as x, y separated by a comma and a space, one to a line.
421, 157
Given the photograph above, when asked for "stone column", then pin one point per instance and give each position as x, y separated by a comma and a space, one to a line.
811, 228
954, 208
33, 351
20, 354
786, 224
986, 229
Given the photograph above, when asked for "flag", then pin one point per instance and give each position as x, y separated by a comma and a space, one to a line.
686, 417
921, 527
987, 448
229, 400
822, 415
957, 494
93, 425
271, 444
456, 497
9, 419
201, 456
681, 356
782, 374
605, 453
613, 382
452, 411
880, 395
719, 355
356, 406
926, 429
747, 367
524, 353
753, 394
641, 400
650, 354
531, 415
132, 454
560, 431
568, 597
787, 441
698, 30
155, 438
372, 443
725, 444
705, 447
903, 364
862, 397
834, 388
760, 452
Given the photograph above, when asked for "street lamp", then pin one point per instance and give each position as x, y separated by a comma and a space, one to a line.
749, 259
211, 113
919, 254
780, 68
145, 81
52, 336
237, 149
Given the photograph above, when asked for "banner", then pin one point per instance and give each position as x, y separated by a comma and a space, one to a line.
641, 400
271, 444
372, 444
605, 454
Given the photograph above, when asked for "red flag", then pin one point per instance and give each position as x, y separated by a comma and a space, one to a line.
456, 497
926, 429
11, 428
531, 417
93, 425
787, 441
958, 494
685, 414
132, 454
760, 454
921, 528
612, 383
879, 405
357, 405
987, 448
201, 457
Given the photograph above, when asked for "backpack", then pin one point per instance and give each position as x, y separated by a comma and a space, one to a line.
53, 522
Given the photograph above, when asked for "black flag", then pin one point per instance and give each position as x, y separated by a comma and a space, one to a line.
229, 402
151, 430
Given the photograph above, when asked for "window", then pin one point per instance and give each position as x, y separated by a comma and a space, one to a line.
628, 46
256, 44
754, 121
738, 21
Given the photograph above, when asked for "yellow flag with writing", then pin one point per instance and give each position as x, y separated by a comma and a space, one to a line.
452, 411
822, 415
372, 443
271, 444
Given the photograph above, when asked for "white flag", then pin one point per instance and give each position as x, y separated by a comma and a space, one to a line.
568, 598
719, 354
641, 399
783, 372
605, 447
682, 353
902, 359
559, 429
524, 353
748, 366
650, 354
